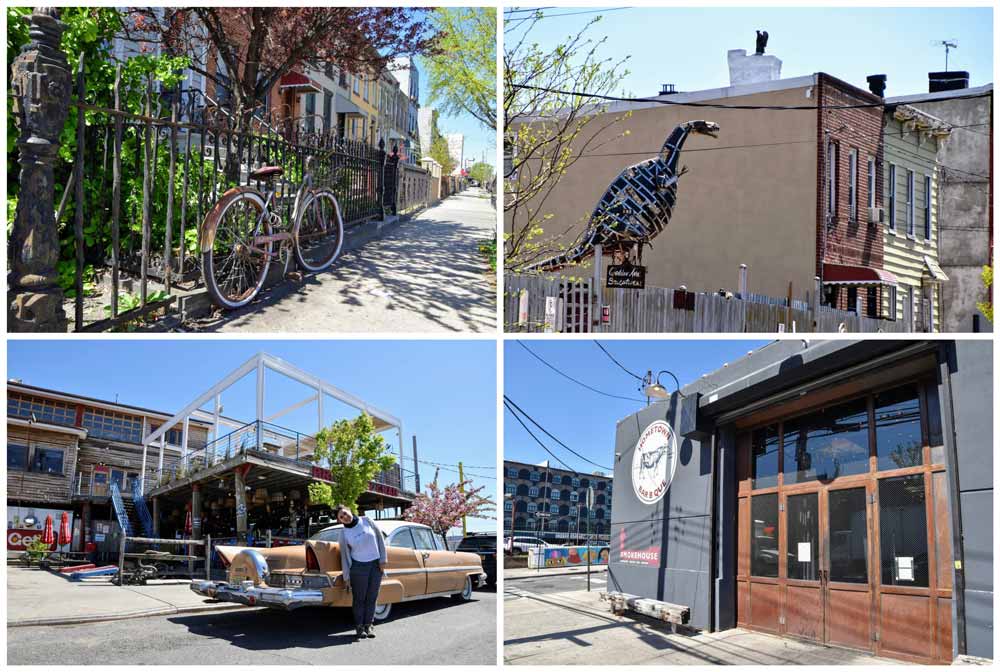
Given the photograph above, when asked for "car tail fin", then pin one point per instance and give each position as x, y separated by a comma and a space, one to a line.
312, 562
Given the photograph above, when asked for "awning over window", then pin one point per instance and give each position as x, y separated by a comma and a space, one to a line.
934, 270
297, 80
841, 274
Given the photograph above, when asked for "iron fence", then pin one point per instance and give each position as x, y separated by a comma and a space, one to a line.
150, 163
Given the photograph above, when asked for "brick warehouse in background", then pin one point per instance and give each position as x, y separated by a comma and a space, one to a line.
551, 503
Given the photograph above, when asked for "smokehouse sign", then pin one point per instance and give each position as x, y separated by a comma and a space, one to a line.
654, 462
626, 276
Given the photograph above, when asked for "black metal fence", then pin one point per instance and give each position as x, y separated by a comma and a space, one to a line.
148, 168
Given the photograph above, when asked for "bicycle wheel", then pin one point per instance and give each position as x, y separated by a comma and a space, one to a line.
319, 231
232, 270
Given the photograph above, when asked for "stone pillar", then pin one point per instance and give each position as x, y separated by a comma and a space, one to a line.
196, 511
156, 517
240, 491
40, 81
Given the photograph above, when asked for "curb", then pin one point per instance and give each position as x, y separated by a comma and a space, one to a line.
99, 618
541, 572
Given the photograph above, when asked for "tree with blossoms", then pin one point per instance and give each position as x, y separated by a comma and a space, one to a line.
443, 508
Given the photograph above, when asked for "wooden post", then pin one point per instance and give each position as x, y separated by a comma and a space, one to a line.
743, 281
816, 303
208, 557
239, 490
788, 307
598, 286
461, 488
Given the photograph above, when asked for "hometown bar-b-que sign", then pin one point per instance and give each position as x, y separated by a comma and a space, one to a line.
654, 462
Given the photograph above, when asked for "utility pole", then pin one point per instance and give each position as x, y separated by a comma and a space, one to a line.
461, 488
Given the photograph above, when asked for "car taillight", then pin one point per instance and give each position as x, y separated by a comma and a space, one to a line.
225, 561
312, 562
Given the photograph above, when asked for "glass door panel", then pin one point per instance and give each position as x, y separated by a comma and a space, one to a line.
803, 537
848, 542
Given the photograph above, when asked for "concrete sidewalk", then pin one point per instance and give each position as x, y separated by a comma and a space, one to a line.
426, 275
40, 597
577, 628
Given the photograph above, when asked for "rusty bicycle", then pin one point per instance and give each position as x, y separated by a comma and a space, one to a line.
242, 234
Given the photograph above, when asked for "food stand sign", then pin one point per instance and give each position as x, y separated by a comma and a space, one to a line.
654, 462
626, 276
26, 524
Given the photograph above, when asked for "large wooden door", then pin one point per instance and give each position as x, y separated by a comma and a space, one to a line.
843, 532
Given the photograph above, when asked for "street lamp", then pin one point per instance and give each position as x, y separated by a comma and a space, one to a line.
654, 390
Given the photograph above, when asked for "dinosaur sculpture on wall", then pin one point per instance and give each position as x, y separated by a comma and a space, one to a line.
637, 205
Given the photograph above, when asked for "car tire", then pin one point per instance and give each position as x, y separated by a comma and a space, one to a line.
466, 594
382, 611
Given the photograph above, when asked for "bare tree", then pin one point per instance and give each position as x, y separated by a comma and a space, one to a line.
546, 131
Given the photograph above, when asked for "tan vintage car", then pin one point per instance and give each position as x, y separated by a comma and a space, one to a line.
419, 566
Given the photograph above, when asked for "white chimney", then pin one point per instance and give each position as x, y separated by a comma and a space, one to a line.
752, 68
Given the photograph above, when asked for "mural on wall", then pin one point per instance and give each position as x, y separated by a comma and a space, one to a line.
567, 556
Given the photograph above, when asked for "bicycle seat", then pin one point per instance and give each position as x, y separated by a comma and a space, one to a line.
266, 172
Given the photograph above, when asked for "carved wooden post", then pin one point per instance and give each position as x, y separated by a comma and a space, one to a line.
40, 81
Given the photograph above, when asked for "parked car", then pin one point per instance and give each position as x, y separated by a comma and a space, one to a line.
289, 577
522, 544
485, 546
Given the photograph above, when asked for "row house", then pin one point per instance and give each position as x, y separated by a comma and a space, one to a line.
551, 503
806, 184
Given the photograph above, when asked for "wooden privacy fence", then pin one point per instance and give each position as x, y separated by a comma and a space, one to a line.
544, 304
148, 163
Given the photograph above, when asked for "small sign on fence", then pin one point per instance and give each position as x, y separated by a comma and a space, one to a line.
626, 276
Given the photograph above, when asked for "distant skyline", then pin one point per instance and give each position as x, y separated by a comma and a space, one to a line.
480, 143
443, 392
687, 47
581, 418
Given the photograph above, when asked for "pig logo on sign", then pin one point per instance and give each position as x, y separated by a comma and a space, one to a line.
654, 462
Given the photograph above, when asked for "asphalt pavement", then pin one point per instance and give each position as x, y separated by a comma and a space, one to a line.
437, 631
425, 275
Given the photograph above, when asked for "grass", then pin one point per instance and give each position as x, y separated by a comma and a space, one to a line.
488, 250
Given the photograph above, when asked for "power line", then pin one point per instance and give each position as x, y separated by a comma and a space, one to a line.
546, 432
610, 356
592, 11
569, 377
719, 106
526, 11
445, 464
510, 409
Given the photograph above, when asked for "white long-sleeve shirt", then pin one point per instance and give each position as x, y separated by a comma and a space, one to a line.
361, 543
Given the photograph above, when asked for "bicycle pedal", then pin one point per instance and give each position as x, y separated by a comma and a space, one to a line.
295, 276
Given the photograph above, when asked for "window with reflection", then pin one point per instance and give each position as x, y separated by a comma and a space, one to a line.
848, 535
764, 535
898, 440
827, 444
803, 536
764, 446
903, 531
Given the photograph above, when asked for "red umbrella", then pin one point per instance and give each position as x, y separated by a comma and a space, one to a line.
64, 537
48, 536
187, 523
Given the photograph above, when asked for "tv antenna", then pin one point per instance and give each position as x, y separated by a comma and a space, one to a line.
948, 45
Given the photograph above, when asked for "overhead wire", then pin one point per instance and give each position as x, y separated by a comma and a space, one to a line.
612, 358
548, 434
510, 409
569, 377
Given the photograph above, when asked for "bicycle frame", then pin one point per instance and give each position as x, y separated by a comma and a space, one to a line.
282, 236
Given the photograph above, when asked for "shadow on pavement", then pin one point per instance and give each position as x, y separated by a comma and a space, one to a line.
305, 628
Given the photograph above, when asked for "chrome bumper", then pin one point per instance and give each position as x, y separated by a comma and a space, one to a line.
253, 596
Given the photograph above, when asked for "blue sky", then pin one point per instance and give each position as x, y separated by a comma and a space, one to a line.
687, 47
478, 140
444, 392
585, 420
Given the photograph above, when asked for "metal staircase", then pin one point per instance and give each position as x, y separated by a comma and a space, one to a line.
121, 512
139, 503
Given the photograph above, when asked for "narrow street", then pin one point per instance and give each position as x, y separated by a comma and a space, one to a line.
425, 275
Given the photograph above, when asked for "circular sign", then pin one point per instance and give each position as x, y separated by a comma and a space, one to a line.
654, 462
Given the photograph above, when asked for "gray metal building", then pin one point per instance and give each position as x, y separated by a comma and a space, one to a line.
838, 491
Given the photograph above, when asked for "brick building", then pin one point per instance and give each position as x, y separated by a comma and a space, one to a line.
551, 503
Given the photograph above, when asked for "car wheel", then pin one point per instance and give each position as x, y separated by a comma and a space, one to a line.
466, 593
382, 611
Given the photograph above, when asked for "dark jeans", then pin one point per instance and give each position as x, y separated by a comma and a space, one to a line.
366, 579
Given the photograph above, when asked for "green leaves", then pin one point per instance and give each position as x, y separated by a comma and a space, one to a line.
355, 454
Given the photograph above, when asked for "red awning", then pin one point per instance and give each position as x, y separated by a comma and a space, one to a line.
297, 80
840, 274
